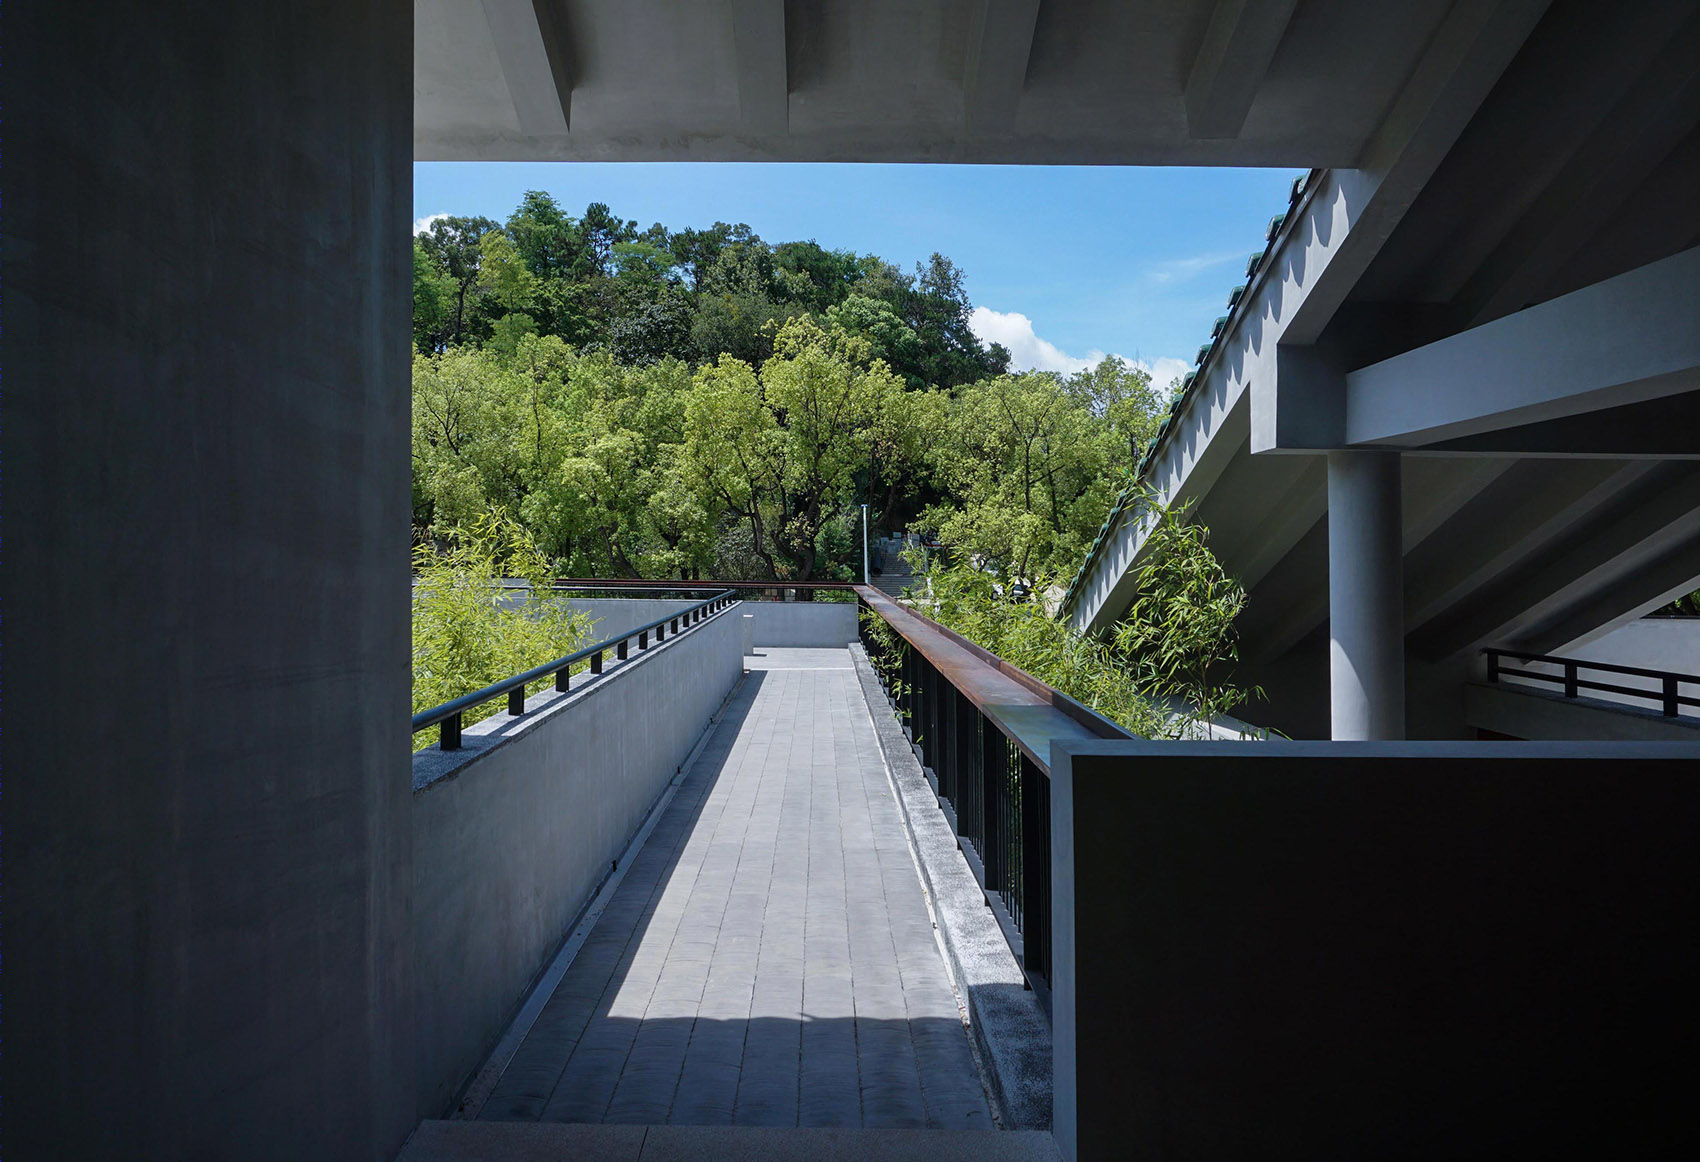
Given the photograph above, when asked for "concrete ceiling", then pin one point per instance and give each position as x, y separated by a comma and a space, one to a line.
1295, 83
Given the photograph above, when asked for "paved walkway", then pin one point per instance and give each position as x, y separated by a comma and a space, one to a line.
768, 959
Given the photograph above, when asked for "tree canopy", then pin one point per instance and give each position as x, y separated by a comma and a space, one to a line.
654, 403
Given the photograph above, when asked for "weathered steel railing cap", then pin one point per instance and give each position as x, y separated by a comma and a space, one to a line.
1031, 714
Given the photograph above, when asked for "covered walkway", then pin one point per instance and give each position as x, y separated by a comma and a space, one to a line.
768, 958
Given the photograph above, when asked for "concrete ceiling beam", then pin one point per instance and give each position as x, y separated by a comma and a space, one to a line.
1622, 341
1238, 45
1510, 519
1604, 170
1651, 584
1000, 39
764, 90
1465, 58
535, 63
1576, 570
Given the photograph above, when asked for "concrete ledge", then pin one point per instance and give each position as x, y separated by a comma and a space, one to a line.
1522, 711
547, 1142
803, 623
1009, 1026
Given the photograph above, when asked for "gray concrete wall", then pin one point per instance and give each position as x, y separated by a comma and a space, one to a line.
802, 623
617, 615
1283, 949
513, 834
206, 451
1525, 712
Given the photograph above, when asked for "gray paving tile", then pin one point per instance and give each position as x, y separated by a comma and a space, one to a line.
768, 959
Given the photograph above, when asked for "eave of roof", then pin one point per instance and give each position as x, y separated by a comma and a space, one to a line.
1257, 268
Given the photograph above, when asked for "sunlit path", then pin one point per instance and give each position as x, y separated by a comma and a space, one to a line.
768, 959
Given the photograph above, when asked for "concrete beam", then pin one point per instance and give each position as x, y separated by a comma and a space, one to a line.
1604, 169
1508, 520
1628, 339
764, 93
1000, 37
534, 63
1465, 59
1231, 62
1653, 582
1537, 600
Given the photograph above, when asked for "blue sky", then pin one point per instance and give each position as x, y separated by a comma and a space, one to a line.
1063, 263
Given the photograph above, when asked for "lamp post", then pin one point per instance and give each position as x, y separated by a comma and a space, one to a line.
865, 580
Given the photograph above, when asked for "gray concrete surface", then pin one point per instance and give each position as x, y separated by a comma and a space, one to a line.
1345, 949
1008, 1024
1141, 82
768, 959
1525, 711
206, 456
513, 832
546, 1142
803, 623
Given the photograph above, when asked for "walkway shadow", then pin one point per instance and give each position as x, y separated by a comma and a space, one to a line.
706, 1043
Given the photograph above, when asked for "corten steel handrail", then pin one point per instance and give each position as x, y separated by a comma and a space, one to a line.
985, 730
1669, 697
450, 713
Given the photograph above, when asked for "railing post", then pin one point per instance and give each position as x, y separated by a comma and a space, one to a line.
516, 701
1035, 870
448, 737
992, 810
620, 650
1570, 679
971, 816
596, 662
661, 632
675, 626
561, 678
643, 639
1670, 695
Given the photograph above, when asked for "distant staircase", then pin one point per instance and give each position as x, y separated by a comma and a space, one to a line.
896, 576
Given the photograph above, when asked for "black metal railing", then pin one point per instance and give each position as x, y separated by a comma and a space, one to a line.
995, 790
748, 590
1668, 697
451, 714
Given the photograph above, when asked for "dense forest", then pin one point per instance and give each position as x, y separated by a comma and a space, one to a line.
700, 402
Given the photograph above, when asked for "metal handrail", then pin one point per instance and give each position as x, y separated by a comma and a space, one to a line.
680, 583
1668, 696
985, 729
450, 713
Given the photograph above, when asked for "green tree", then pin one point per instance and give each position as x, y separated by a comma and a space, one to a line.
779, 450
453, 245
1023, 465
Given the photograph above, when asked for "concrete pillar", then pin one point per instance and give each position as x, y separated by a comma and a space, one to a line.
208, 951
1366, 596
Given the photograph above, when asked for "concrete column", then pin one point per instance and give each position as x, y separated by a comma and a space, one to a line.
1366, 596
208, 803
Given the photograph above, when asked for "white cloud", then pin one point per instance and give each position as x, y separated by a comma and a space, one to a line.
1028, 352
423, 225
1185, 268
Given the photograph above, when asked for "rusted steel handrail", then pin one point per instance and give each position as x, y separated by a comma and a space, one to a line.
985, 729
1012, 698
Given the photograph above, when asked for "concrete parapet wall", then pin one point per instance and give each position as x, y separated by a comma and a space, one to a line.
1523, 711
1291, 949
512, 835
802, 623
611, 616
